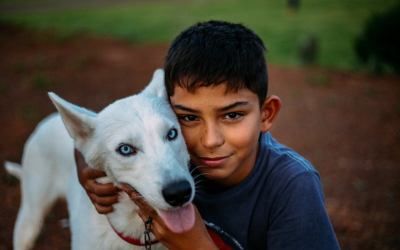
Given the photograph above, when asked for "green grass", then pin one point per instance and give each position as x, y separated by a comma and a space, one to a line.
40, 82
29, 112
335, 22
34, 1
319, 80
11, 180
2, 88
398, 108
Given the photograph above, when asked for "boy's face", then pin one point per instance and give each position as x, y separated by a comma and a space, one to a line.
221, 130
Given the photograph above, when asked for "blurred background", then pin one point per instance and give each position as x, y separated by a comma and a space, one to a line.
334, 63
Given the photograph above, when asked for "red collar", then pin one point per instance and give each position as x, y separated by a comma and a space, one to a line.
131, 240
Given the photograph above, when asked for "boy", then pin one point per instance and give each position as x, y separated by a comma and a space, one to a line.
251, 192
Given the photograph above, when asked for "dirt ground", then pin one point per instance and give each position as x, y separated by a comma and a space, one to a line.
346, 124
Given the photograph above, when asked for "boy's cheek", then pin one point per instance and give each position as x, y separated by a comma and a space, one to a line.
188, 135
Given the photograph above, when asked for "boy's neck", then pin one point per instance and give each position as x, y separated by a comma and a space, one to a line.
213, 187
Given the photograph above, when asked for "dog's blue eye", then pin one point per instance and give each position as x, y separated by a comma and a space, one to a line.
172, 134
126, 150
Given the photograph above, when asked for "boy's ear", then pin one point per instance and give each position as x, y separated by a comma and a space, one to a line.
78, 121
156, 86
269, 110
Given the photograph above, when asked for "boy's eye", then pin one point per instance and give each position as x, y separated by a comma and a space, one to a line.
190, 118
232, 116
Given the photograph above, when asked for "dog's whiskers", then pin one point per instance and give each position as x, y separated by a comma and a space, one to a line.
199, 175
200, 166
197, 182
197, 186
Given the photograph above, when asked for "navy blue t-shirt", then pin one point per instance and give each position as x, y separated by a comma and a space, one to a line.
280, 205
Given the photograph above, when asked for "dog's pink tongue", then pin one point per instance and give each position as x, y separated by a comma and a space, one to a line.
180, 220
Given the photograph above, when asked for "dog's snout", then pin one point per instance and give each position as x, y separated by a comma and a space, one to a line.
177, 193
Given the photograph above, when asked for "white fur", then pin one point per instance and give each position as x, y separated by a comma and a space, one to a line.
49, 170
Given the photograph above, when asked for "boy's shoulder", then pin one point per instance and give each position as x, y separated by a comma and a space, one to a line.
279, 169
289, 199
281, 161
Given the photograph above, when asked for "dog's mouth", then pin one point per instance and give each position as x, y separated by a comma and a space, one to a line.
177, 220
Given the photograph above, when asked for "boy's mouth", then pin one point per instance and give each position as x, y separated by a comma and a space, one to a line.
213, 162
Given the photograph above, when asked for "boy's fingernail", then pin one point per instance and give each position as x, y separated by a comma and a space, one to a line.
125, 188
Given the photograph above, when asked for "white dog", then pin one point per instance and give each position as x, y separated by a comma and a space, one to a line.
137, 141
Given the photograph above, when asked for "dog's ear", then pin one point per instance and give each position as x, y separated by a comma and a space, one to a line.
156, 86
78, 121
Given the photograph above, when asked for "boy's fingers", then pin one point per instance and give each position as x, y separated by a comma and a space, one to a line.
103, 209
142, 214
102, 189
127, 190
144, 206
139, 201
103, 200
91, 173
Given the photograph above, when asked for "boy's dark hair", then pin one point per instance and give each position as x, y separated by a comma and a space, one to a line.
210, 53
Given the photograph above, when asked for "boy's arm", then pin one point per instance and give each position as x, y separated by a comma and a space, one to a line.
103, 196
196, 238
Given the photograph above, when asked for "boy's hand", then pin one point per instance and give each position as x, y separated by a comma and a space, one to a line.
196, 238
103, 196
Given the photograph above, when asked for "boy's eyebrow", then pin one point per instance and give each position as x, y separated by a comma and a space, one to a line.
233, 105
186, 109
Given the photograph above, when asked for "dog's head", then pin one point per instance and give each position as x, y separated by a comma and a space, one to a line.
137, 141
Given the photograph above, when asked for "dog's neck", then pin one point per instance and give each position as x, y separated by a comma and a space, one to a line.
125, 219
133, 241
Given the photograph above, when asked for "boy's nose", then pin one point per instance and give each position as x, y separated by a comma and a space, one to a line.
212, 138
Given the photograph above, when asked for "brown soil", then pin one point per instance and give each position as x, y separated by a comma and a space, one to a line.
346, 124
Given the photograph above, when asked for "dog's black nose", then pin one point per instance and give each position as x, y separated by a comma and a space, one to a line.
177, 193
